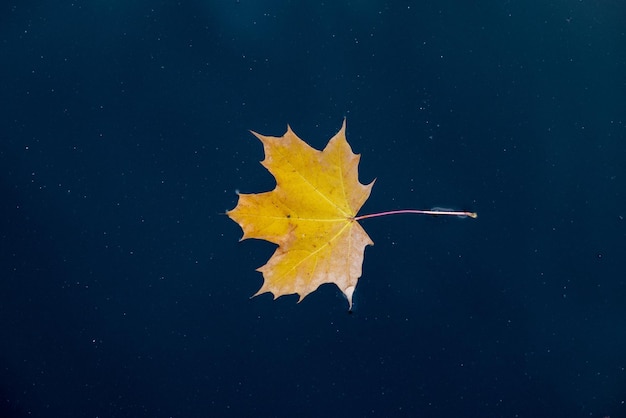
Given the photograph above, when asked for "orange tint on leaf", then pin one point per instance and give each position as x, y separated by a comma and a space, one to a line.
309, 215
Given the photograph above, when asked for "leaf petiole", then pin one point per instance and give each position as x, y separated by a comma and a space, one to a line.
420, 212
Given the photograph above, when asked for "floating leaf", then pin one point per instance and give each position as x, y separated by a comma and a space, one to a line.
310, 215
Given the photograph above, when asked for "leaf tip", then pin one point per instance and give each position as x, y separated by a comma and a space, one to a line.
261, 290
349, 291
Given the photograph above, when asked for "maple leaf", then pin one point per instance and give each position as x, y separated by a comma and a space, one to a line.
311, 216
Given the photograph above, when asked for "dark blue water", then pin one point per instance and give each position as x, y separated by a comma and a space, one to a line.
124, 291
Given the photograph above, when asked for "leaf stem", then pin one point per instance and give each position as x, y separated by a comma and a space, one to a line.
421, 212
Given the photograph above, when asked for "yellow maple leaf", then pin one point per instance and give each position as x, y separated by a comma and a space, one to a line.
310, 215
